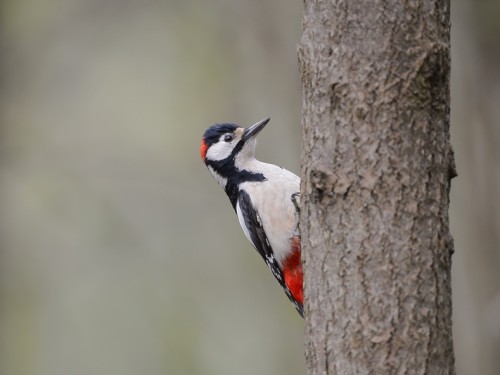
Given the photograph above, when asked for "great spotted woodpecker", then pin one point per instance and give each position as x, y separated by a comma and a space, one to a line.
261, 194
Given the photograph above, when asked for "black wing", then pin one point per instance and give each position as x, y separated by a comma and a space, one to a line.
259, 240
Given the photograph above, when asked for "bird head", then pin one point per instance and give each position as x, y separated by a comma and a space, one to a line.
229, 144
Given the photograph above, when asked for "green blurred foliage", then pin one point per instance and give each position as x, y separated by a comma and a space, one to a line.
119, 254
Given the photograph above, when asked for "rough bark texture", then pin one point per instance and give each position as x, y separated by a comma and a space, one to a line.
376, 167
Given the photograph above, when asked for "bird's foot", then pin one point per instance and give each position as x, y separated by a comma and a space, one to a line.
296, 203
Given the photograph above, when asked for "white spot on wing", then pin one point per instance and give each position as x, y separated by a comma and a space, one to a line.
241, 219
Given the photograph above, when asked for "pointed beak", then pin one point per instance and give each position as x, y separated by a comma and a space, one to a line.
253, 130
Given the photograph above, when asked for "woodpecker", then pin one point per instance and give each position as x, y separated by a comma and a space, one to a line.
261, 194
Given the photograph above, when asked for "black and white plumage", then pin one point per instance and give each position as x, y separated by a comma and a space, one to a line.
261, 195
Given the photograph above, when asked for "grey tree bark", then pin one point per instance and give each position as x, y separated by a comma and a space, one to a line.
376, 167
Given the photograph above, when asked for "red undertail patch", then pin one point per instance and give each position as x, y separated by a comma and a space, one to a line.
292, 271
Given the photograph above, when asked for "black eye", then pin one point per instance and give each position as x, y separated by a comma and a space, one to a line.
228, 138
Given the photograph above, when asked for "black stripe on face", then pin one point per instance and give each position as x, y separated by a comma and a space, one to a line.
227, 169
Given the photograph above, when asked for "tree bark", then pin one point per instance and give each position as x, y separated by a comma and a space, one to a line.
376, 167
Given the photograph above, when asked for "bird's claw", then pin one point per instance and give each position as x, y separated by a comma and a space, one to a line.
296, 203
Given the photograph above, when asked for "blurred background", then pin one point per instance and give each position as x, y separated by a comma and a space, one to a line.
120, 254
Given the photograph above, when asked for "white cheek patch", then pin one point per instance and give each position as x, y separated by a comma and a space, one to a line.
219, 151
221, 180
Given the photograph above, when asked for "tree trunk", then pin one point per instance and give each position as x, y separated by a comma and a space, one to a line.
376, 167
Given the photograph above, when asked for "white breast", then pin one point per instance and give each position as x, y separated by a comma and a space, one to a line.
272, 200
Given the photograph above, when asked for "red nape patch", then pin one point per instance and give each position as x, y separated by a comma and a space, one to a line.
292, 271
203, 149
